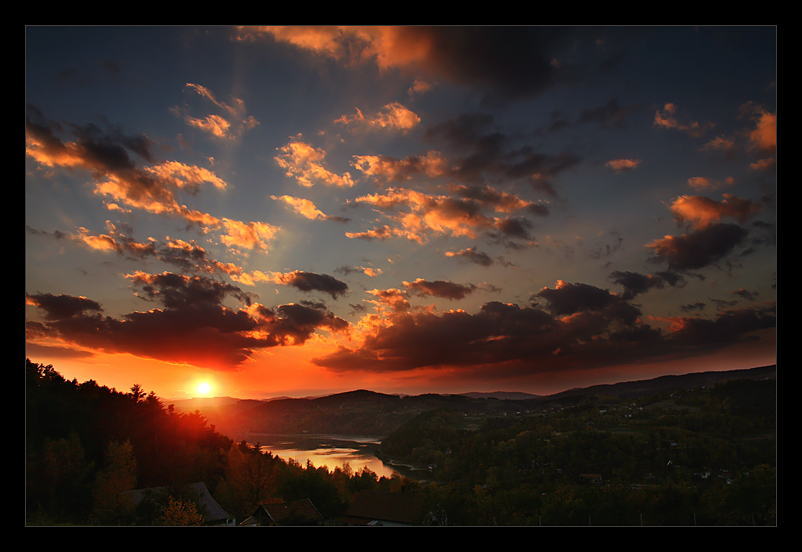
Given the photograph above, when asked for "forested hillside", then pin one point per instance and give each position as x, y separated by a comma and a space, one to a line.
704, 455
86, 444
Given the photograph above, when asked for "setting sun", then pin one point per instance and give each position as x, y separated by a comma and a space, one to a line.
204, 388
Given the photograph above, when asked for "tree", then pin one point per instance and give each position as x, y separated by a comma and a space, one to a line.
110, 503
180, 512
59, 478
250, 478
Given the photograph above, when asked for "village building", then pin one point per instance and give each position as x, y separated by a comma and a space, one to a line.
297, 512
383, 508
208, 507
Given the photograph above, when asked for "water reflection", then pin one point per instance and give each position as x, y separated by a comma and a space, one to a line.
332, 451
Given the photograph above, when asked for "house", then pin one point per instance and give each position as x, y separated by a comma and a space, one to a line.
210, 510
297, 512
384, 508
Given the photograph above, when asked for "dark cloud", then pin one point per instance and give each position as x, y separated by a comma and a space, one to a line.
300, 321
504, 338
472, 255
483, 152
635, 283
194, 327
746, 294
610, 114
699, 305
567, 299
309, 281
58, 307
504, 62
179, 290
515, 227
440, 288
700, 248
95, 149
729, 326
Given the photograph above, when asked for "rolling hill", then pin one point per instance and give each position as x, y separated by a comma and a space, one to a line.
363, 412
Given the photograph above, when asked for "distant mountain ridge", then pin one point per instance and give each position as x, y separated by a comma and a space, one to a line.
363, 412
503, 395
671, 382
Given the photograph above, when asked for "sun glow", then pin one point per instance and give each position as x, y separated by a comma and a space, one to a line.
204, 388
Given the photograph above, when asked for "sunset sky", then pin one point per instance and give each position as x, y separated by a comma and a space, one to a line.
307, 210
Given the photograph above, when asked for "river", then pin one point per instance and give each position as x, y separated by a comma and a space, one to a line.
358, 451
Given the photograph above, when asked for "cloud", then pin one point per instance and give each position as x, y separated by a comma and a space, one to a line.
700, 248
306, 208
306, 164
393, 116
635, 283
59, 307
472, 255
729, 326
416, 215
504, 62
701, 182
439, 288
667, 118
758, 139
228, 126
194, 327
383, 167
249, 235
396, 299
583, 327
369, 271
569, 299
187, 256
483, 152
305, 281
623, 164
763, 137
700, 211
609, 114
500, 201
152, 188
175, 291
106, 157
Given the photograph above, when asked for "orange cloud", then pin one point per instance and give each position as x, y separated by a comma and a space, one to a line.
388, 46
229, 126
667, 119
702, 211
396, 299
623, 164
250, 235
701, 182
393, 116
421, 214
302, 206
305, 163
764, 136
763, 164
306, 208
720, 143
432, 164
305, 281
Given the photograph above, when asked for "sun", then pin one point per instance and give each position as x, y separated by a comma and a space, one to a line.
204, 388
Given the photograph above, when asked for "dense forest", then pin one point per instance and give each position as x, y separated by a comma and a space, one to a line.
706, 456
87, 444
703, 456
